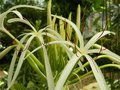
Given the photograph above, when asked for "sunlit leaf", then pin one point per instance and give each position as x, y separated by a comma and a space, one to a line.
66, 71
21, 20
11, 69
49, 75
75, 28
97, 73
18, 14
20, 62
114, 57
96, 37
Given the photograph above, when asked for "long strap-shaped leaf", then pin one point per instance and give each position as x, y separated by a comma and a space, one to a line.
90, 72
18, 14
20, 62
78, 21
4, 52
23, 21
80, 37
11, 69
35, 67
3, 15
25, 6
53, 42
114, 57
66, 71
95, 38
57, 36
97, 73
50, 79
70, 54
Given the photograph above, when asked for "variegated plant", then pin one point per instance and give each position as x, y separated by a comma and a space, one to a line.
44, 70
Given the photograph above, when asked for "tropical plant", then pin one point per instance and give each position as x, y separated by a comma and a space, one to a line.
70, 60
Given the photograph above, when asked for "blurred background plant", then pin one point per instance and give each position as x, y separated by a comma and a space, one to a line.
96, 16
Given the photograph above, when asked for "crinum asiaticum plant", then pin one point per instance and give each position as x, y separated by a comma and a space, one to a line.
34, 62
86, 51
44, 70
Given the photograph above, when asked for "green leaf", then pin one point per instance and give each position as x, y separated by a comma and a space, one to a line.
69, 29
18, 86
80, 37
20, 62
61, 29
23, 21
53, 23
49, 13
8, 49
66, 71
106, 51
11, 69
49, 75
112, 56
53, 42
25, 6
115, 60
59, 38
97, 73
30, 84
95, 38
18, 14
3, 15
88, 73
78, 21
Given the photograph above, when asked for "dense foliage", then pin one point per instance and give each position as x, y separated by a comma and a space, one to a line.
95, 17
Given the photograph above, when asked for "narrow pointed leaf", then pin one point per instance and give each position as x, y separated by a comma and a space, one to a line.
18, 14
69, 29
80, 37
20, 62
61, 29
21, 20
115, 60
49, 75
8, 49
95, 38
35, 67
3, 15
25, 6
11, 69
97, 73
78, 17
60, 39
112, 56
49, 13
66, 71
53, 42
53, 23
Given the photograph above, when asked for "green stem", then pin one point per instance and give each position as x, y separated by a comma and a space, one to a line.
96, 58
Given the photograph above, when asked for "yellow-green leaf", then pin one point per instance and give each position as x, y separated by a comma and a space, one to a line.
4, 52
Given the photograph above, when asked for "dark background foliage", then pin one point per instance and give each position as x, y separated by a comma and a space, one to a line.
62, 7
